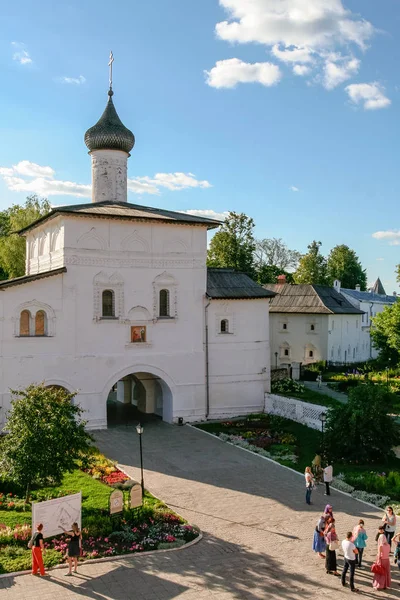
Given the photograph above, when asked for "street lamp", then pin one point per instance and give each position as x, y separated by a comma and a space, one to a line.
139, 430
322, 418
276, 360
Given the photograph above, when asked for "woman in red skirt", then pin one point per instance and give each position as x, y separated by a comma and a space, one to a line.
37, 552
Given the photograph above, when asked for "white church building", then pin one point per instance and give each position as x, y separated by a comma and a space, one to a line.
117, 305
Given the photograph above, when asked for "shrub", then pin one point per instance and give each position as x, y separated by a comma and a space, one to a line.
13, 559
287, 386
341, 485
376, 499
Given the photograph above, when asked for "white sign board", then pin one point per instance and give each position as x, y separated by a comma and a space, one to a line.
58, 512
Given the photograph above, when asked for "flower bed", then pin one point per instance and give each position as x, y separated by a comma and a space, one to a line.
261, 434
104, 469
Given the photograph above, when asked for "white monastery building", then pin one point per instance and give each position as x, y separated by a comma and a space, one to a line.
117, 305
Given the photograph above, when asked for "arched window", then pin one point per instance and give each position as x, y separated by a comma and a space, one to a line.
108, 304
311, 354
40, 323
25, 323
286, 352
224, 326
312, 327
164, 303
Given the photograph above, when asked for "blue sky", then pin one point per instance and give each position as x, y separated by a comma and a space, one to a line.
234, 106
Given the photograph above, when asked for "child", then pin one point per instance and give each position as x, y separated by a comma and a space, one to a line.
359, 540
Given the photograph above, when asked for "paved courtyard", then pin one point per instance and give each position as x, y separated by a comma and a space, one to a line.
257, 529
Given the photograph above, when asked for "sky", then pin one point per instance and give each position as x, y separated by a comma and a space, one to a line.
287, 110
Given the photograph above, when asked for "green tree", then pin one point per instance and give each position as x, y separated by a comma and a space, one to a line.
269, 274
343, 264
233, 245
12, 246
46, 437
273, 252
398, 273
385, 333
361, 430
312, 266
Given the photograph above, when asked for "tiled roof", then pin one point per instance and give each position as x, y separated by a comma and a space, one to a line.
28, 278
125, 210
310, 299
378, 288
231, 284
369, 296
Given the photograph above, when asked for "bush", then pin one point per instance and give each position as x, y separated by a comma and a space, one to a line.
286, 386
375, 499
13, 559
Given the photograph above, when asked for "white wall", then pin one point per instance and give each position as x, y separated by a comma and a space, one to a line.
345, 338
293, 332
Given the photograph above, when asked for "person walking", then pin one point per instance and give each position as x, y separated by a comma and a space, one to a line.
359, 540
74, 547
349, 551
329, 511
382, 580
390, 521
328, 476
309, 484
332, 544
319, 544
37, 545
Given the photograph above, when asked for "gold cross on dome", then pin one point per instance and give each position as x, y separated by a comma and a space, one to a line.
110, 64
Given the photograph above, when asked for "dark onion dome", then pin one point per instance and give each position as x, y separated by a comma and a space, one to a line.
109, 133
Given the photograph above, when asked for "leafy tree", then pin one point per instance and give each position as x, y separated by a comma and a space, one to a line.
12, 246
233, 245
343, 264
46, 437
398, 273
312, 266
385, 333
361, 430
269, 274
273, 252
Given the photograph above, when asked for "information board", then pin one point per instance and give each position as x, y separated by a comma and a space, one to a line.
57, 513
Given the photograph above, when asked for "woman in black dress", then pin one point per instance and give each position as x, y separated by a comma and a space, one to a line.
332, 544
74, 547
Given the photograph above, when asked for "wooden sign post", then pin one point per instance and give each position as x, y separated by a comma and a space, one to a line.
116, 502
135, 496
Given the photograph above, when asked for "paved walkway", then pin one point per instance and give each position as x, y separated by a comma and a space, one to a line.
257, 529
324, 389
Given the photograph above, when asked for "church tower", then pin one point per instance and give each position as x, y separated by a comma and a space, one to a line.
109, 143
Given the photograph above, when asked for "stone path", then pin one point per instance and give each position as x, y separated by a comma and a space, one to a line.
257, 529
324, 389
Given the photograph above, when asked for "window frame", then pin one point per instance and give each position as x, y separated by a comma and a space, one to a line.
44, 334
112, 292
164, 304
27, 312
224, 326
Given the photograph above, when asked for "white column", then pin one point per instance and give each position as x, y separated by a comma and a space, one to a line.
109, 175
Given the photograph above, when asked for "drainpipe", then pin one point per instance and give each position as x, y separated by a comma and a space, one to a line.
207, 361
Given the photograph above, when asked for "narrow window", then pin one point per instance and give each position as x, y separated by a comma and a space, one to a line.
224, 326
284, 326
312, 327
108, 304
164, 303
24, 323
286, 352
40, 323
333, 325
311, 354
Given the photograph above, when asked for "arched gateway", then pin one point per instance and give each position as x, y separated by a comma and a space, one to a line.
138, 394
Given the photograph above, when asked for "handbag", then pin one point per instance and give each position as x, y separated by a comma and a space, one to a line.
334, 545
377, 569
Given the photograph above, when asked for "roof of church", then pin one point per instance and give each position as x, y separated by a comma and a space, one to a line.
378, 288
369, 296
233, 285
109, 133
311, 299
27, 278
125, 210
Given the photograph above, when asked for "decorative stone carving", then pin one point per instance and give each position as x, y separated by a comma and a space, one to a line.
109, 176
165, 281
135, 243
113, 282
34, 306
91, 240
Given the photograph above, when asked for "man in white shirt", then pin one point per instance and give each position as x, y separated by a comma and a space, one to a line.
328, 476
349, 551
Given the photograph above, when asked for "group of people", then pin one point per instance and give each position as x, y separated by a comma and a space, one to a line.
326, 542
36, 543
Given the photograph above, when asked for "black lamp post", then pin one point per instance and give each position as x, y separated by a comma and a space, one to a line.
276, 360
139, 429
322, 418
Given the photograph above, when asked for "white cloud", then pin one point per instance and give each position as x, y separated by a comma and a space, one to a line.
380, 258
391, 235
207, 213
228, 73
300, 23
371, 95
294, 55
21, 54
294, 188
33, 178
73, 80
301, 70
338, 71
299, 33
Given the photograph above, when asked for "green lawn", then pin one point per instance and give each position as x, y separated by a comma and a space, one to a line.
311, 397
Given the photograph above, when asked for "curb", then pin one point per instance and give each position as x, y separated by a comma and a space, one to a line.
279, 465
94, 561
